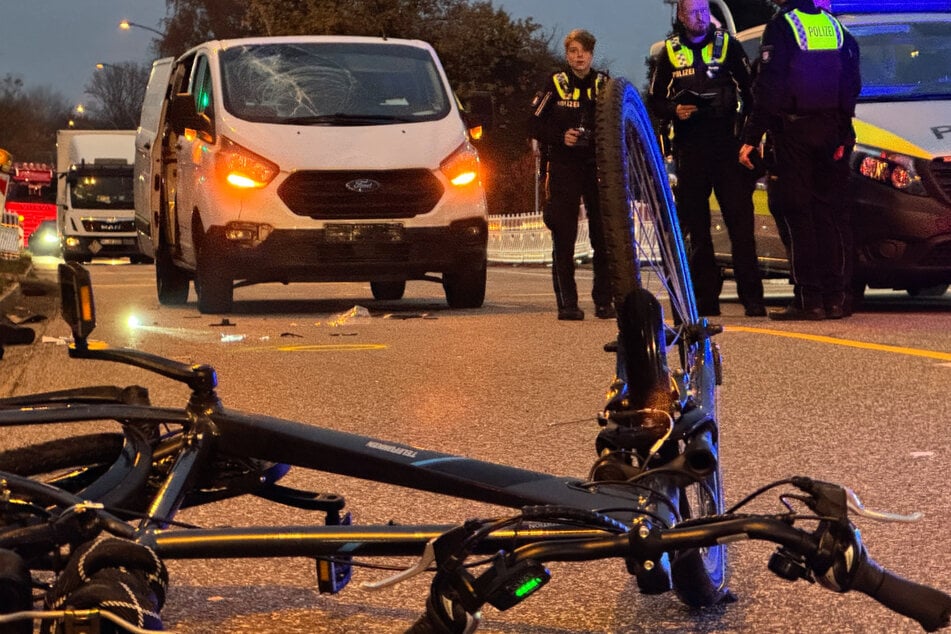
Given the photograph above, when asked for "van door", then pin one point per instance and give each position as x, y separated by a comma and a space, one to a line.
148, 156
191, 154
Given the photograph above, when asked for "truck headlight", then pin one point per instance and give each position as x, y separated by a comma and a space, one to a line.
889, 168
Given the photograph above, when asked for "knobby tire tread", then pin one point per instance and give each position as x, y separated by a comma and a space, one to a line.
642, 235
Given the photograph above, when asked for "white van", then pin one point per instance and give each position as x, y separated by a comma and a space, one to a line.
311, 159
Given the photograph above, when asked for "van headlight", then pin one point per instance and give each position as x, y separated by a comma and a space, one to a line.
888, 168
462, 166
241, 168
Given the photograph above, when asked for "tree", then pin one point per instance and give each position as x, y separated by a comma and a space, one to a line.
118, 91
30, 119
482, 49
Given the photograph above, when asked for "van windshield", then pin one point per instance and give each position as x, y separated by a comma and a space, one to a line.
904, 61
300, 83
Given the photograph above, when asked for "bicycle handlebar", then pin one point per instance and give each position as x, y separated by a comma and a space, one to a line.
841, 566
927, 605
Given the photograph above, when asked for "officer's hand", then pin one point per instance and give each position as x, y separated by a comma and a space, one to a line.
571, 136
685, 111
744, 157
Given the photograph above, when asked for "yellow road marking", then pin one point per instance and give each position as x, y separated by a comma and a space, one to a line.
318, 347
913, 352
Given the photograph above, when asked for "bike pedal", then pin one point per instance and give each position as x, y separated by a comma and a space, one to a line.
333, 576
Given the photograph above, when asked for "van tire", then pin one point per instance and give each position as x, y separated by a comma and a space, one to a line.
466, 288
214, 286
171, 281
388, 290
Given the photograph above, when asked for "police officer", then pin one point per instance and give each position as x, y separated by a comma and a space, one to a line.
805, 94
696, 82
563, 118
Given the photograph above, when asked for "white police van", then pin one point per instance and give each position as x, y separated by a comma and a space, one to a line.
901, 182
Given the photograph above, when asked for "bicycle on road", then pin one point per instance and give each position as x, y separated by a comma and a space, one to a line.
87, 522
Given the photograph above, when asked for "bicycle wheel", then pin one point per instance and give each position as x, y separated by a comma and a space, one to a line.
645, 252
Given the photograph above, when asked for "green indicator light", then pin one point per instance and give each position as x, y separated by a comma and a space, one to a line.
528, 587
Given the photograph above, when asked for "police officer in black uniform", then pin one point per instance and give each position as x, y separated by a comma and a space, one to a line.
805, 94
696, 82
563, 119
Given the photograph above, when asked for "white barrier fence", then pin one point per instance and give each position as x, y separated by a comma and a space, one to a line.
524, 239
11, 236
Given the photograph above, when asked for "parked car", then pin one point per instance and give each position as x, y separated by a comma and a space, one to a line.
901, 167
45, 240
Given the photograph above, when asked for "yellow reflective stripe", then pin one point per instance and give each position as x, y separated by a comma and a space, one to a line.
815, 32
682, 57
874, 136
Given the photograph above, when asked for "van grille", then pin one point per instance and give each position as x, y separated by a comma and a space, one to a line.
941, 170
361, 194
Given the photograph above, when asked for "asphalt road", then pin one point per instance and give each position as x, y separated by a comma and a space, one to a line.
861, 401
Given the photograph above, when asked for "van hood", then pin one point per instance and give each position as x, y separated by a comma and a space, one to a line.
916, 128
317, 147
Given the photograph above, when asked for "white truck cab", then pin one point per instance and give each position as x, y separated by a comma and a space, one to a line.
94, 194
308, 158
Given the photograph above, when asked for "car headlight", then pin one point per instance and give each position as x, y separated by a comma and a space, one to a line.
888, 168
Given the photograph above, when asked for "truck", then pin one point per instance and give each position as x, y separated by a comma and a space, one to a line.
95, 208
31, 195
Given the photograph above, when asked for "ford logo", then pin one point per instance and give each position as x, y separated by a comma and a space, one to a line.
363, 185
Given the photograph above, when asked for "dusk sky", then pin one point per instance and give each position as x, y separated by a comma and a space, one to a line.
57, 43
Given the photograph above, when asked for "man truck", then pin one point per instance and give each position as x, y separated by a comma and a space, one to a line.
95, 214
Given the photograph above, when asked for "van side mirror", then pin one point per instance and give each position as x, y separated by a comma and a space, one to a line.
79, 309
183, 115
479, 115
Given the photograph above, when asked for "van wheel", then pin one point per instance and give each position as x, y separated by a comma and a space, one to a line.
388, 290
171, 281
465, 289
214, 286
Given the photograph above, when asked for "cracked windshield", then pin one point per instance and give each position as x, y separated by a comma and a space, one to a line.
332, 84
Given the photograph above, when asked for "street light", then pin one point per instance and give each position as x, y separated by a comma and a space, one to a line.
125, 25
101, 65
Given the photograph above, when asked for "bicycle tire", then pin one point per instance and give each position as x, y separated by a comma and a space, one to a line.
645, 252
73, 466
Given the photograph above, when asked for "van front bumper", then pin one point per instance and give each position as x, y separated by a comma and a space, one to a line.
901, 241
348, 252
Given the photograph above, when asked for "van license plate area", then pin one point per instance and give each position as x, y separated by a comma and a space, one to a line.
359, 232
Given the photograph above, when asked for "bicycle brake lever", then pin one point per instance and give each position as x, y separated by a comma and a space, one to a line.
855, 506
427, 559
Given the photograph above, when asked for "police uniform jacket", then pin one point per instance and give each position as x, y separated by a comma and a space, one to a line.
565, 102
792, 81
715, 68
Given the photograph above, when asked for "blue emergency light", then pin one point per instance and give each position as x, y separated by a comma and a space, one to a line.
890, 6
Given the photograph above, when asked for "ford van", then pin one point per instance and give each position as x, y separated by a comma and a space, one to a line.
308, 159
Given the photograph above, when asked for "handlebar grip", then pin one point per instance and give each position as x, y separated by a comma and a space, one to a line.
929, 606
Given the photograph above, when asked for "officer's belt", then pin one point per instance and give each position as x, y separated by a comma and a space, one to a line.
815, 114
